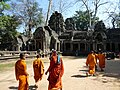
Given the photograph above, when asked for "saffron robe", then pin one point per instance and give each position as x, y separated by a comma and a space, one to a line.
91, 62
56, 71
101, 58
38, 68
21, 74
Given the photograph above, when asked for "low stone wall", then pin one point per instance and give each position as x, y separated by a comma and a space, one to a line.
13, 53
7, 55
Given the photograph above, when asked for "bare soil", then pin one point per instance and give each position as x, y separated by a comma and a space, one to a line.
74, 77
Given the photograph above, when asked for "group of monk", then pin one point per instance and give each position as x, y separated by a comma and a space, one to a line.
91, 62
55, 70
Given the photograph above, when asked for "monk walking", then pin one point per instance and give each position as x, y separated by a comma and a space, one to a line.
91, 62
101, 58
56, 71
38, 68
21, 73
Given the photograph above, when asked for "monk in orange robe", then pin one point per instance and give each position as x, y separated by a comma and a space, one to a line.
101, 58
91, 62
21, 73
96, 57
38, 68
56, 71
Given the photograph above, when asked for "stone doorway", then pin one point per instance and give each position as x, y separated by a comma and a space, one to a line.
100, 47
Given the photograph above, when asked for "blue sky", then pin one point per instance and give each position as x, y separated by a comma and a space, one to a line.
71, 8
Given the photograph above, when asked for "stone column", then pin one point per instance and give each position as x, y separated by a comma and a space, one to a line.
71, 46
56, 45
116, 47
94, 46
79, 46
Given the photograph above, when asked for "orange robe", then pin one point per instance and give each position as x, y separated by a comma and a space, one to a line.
21, 74
55, 73
91, 62
38, 68
101, 58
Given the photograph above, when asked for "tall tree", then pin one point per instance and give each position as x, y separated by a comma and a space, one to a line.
3, 7
28, 12
8, 26
92, 6
64, 5
113, 16
82, 20
48, 12
118, 21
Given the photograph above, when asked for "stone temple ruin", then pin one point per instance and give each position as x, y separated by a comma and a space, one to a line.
64, 37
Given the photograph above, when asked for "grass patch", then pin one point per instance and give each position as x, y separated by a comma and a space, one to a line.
11, 64
6, 66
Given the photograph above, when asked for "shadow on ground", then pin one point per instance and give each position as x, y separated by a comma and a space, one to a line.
31, 87
79, 76
13, 88
111, 73
112, 69
74, 57
84, 70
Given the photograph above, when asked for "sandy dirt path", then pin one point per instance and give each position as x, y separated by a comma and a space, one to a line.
74, 77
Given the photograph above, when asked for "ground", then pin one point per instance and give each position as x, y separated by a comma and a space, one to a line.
74, 77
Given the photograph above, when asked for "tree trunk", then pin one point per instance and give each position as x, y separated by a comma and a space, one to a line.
48, 12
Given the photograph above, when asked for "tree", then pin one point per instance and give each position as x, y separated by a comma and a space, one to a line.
3, 7
69, 24
115, 19
82, 20
29, 13
64, 5
118, 20
95, 4
8, 25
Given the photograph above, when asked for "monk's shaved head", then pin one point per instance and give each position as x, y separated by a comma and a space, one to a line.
22, 56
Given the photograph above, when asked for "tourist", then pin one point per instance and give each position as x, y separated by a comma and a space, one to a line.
91, 62
21, 73
56, 71
38, 68
101, 58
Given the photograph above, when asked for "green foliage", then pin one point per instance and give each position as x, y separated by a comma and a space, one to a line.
82, 20
69, 24
3, 6
8, 25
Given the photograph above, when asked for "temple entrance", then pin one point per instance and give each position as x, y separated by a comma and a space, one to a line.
119, 47
38, 45
67, 46
108, 47
82, 47
91, 47
100, 47
75, 47
113, 47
